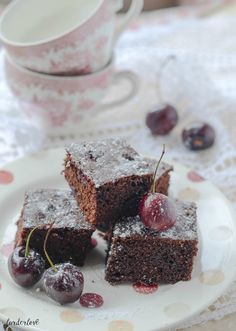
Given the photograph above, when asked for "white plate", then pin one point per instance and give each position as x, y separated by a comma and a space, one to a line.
123, 309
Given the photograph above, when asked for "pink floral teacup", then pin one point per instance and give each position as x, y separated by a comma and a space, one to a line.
63, 36
64, 101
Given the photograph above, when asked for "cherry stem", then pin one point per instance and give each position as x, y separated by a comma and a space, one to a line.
153, 187
45, 249
28, 240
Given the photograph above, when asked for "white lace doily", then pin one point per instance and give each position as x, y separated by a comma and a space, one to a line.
201, 83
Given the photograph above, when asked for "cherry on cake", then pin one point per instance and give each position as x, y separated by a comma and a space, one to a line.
109, 178
140, 254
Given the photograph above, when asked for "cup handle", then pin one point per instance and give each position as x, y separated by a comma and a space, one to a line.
134, 84
134, 10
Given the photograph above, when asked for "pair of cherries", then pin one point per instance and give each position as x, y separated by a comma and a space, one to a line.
197, 136
62, 282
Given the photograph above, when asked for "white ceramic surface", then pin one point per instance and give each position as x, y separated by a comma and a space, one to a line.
61, 36
124, 309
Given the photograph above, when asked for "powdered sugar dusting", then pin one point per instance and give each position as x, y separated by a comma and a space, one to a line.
45, 206
65, 272
185, 227
109, 159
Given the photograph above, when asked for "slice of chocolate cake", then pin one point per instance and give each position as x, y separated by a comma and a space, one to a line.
70, 238
140, 254
109, 178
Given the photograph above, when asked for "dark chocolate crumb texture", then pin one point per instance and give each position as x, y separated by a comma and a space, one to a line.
109, 178
140, 254
70, 238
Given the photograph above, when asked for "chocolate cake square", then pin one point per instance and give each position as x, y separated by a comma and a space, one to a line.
70, 238
109, 178
140, 254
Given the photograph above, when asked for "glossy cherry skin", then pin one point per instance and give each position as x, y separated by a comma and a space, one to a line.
198, 136
157, 211
64, 285
26, 271
163, 120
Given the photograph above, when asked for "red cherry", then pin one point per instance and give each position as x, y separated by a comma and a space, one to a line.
163, 120
198, 136
64, 284
26, 271
157, 211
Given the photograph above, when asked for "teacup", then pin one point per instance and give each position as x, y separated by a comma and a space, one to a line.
63, 36
64, 101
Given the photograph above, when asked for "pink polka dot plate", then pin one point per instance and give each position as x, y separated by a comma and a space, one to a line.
125, 307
